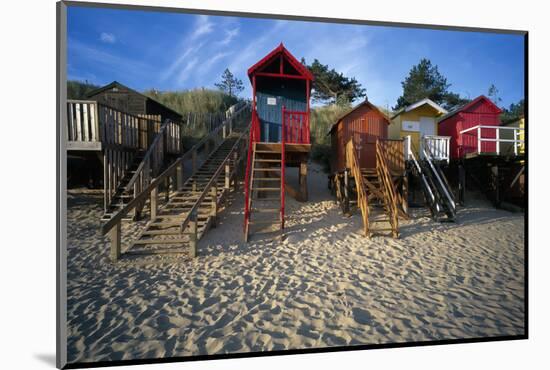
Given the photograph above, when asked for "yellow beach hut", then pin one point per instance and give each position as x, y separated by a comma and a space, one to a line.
519, 134
419, 121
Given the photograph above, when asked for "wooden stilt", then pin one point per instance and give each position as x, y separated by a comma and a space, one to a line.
193, 235
303, 181
461, 184
115, 242
214, 205
154, 203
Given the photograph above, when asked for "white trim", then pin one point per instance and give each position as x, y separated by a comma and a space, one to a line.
430, 102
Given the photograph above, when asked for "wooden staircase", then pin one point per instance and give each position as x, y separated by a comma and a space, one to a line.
265, 187
122, 196
168, 231
376, 194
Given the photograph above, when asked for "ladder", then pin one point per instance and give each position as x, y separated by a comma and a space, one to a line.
264, 182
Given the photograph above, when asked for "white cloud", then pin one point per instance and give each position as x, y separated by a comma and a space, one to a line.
229, 36
185, 72
108, 38
203, 26
207, 65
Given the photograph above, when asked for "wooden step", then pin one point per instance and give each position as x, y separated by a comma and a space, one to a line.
267, 189
267, 179
266, 210
267, 199
267, 169
268, 160
263, 222
161, 241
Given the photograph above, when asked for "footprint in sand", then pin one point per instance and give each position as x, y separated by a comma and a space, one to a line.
361, 316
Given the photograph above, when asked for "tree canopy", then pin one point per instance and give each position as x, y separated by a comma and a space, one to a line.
513, 112
230, 84
79, 90
425, 81
333, 87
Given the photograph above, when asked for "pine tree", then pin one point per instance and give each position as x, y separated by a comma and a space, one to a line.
229, 84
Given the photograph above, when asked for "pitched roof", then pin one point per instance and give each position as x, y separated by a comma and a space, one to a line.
118, 84
425, 101
467, 106
365, 102
303, 70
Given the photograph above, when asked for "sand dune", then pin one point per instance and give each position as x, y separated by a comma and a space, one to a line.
321, 284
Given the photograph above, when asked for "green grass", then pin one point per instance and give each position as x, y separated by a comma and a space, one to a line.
322, 118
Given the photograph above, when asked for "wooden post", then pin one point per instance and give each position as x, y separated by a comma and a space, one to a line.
496, 187
115, 242
303, 181
237, 167
478, 139
180, 175
405, 189
194, 161
167, 189
154, 203
193, 234
497, 134
461, 184
214, 204
227, 179
346, 192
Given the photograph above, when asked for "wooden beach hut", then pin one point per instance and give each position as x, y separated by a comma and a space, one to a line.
125, 99
364, 124
419, 122
279, 134
473, 128
509, 148
368, 168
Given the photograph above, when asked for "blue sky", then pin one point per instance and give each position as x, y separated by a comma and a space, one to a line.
172, 51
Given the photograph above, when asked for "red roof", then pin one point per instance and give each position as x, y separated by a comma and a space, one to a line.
303, 70
470, 105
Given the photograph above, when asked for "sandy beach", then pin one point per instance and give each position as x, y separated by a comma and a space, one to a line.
321, 284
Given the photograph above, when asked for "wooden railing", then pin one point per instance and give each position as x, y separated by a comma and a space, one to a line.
173, 177
82, 123
437, 146
475, 139
388, 188
362, 197
296, 127
234, 156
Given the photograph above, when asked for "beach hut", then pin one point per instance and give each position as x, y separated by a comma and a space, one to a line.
279, 135
364, 124
419, 122
125, 99
280, 81
519, 134
473, 128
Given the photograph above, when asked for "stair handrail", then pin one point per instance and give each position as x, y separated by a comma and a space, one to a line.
419, 169
170, 171
157, 147
283, 142
213, 180
362, 197
443, 185
253, 138
383, 170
